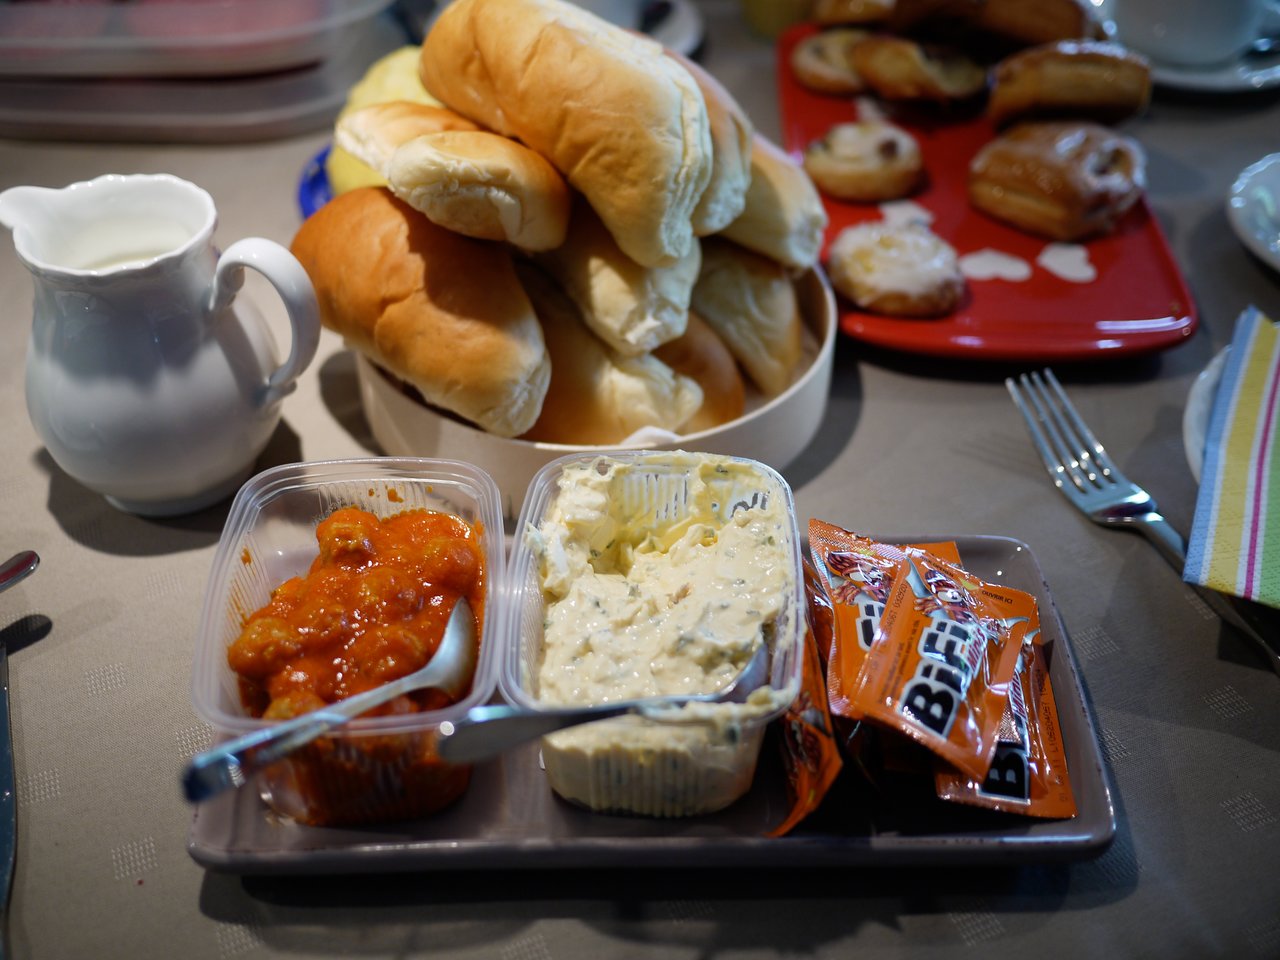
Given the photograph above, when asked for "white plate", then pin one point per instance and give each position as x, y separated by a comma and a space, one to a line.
1253, 207
1260, 72
1195, 418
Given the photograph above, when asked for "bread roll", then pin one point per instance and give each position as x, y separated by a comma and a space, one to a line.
597, 396
391, 77
373, 133
784, 218
703, 357
483, 185
750, 301
631, 308
445, 313
731, 132
624, 123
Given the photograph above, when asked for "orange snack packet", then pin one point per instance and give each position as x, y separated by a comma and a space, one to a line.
858, 573
810, 753
1028, 773
940, 665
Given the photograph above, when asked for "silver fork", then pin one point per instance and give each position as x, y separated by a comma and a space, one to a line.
1090, 480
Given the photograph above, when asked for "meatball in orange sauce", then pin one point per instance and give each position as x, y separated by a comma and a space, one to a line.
372, 608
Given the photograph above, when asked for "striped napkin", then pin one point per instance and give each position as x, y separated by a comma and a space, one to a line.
1235, 538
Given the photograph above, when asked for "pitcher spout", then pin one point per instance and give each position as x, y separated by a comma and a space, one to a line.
24, 207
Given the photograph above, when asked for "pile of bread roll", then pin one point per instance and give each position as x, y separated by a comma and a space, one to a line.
576, 234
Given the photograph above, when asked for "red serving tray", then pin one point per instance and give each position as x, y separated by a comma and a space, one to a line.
1138, 302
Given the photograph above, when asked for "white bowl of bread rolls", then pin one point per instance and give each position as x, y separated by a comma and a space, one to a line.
586, 245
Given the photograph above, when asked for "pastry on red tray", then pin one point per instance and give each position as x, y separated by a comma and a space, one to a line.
866, 161
1063, 180
901, 270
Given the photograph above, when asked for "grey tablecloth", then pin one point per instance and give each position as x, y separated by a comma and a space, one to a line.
101, 637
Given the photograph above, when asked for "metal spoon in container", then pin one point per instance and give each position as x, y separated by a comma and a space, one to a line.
232, 763
487, 731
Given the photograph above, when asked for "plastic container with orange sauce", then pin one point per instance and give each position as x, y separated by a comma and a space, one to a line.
380, 768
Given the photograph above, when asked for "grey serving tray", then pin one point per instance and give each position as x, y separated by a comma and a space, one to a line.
510, 819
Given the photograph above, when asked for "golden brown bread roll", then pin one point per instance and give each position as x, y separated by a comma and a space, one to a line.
1085, 79
702, 356
1060, 180
784, 217
483, 185
731, 132
897, 68
625, 124
751, 302
597, 396
443, 312
631, 308
373, 133
393, 76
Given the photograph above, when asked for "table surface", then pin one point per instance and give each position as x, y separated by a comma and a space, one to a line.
101, 643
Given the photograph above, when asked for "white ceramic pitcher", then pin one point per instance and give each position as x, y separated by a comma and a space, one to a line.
148, 380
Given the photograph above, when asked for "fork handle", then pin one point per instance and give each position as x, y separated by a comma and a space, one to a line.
1166, 539
1249, 618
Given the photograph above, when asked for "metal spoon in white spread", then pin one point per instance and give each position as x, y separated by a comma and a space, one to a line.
487, 731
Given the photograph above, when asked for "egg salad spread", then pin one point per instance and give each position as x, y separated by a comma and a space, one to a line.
659, 576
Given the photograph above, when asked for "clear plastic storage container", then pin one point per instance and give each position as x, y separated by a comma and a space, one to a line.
377, 768
705, 758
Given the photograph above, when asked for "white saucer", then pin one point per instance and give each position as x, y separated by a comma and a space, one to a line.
1261, 72
1195, 417
1253, 207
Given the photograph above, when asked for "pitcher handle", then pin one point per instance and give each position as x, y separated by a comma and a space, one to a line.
283, 271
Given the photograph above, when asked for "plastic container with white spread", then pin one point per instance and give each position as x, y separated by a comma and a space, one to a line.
649, 573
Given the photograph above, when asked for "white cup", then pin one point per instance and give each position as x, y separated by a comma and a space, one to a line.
1192, 33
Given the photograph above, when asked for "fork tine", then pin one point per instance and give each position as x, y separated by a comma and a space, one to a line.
1059, 436
1097, 451
1068, 443
1053, 462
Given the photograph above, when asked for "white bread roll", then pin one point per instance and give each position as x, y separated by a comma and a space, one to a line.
597, 396
703, 357
374, 132
443, 312
731, 132
391, 77
631, 308
784, 217
751, 302
624, 123
483, 185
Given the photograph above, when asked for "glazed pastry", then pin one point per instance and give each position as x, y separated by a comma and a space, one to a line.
902, 270
824, 61
1079, 78
900, 69
1060, 180
866, 161
996, 27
